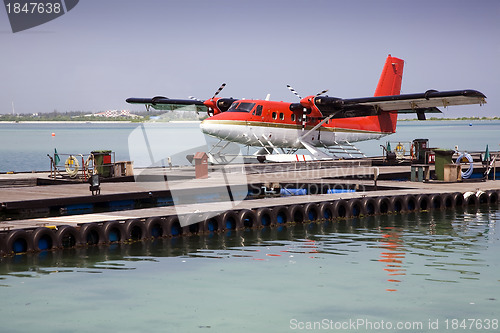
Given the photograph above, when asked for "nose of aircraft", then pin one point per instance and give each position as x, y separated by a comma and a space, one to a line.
208, 127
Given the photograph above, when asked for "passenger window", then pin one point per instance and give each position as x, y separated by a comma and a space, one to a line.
293, 116
282, 116
258, 111
275, 115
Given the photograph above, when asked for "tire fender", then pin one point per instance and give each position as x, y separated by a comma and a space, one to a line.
173, 226
340, 208
68, 236
264, 217
212, 224
230, 220
383, 205
354, 208
114, 232
297, 214
247, 218
492, 197
470, 199
44, 239
368, 206
280, 215
92, 234
18, 241
155, 227
410, 203
397, 204
326, 210
312, 212
135, 230
437, 201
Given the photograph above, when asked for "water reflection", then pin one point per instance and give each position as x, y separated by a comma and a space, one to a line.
443, 246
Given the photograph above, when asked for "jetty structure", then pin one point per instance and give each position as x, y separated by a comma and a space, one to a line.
179, 202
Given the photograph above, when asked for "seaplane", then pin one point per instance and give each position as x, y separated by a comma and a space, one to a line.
317, 123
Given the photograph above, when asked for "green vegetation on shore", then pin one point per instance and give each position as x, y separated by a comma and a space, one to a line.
141, 116
452, 119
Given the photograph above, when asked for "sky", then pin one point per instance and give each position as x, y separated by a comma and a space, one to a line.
101, 52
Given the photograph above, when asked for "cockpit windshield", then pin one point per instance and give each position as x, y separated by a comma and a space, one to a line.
241, 107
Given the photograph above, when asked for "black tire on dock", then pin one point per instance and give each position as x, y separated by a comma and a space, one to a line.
173, 226
436, 201
212, 224
492, 197
280, 215
383, 205
68, 236
448, 201
326, 210
18, 241
230, 220
470, 199
114, 232
423, 202
354, 208
312, 212
368, 206
397, 203
92, 234
247, 218
193, 224
482, 197
458, 198
155, 227
410, 203
135, 230
44, 239
340, 208
297, 214
264, 217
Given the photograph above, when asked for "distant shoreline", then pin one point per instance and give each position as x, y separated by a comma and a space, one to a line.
198, 121
98, 122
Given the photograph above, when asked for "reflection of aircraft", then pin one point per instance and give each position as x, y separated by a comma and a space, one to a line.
317, 121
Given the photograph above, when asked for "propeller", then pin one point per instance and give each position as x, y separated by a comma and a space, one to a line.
304, 110
219, 90
293, 91
321, 93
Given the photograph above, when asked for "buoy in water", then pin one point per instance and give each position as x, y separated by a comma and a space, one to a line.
53, 134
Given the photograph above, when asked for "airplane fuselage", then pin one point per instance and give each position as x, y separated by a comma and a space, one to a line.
269, 123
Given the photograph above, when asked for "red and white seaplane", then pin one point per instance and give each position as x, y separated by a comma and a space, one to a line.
317, 121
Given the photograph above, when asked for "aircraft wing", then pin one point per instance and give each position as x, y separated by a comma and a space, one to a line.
163, 103
420, 103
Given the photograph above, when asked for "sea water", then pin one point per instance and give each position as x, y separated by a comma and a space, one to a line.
24, 146
419, 272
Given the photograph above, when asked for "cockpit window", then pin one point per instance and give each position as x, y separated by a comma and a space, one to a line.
241, 107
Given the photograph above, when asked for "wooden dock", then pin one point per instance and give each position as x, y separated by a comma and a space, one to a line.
219, 213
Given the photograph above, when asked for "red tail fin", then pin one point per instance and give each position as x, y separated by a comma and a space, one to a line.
390, 80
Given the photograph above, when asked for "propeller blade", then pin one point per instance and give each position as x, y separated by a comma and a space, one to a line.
219, 90
321, 93
293, 91
304, 118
